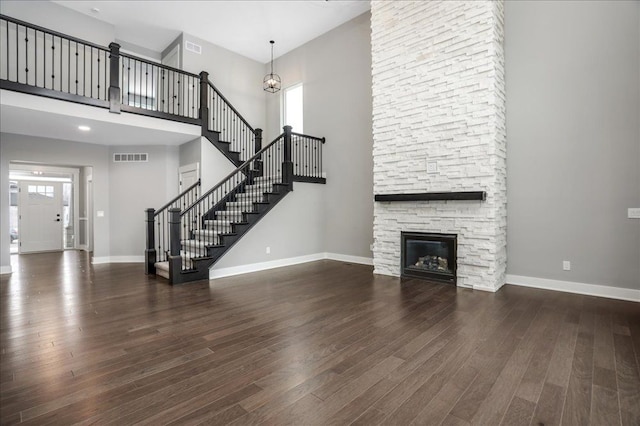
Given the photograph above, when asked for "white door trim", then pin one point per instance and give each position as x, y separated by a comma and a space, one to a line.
185, 169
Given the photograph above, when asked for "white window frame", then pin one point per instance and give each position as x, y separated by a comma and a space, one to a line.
284, 106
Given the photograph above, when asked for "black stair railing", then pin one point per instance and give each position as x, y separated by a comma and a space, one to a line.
230, 124
307, 157
206, 222
157, 241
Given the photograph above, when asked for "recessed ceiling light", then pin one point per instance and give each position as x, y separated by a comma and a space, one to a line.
84, 128
95, 10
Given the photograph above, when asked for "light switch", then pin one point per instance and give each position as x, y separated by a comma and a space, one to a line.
100, 213
633, 213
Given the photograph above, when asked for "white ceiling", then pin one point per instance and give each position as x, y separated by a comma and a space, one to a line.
244, 27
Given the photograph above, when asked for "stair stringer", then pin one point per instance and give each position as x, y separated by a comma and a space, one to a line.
202, 266
224, 147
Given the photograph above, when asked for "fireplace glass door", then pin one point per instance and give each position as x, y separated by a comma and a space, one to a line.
429, 256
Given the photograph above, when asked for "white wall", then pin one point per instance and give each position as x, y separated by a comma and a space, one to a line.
335, 70
573, 126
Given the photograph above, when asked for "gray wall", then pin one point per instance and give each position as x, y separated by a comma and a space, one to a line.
190, 152
335, 70
293, 228
136, 187
237, 77
573, 131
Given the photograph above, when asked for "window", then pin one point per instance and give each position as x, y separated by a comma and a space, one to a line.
44, 190
293, 108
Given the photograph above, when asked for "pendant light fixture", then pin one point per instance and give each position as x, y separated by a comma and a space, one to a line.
271, 82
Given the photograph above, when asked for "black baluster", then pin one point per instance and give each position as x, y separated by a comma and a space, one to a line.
17, 54
69, 65
61, 73
26, 58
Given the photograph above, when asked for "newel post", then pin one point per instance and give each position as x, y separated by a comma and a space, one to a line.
150, 252
258, 146
115, 97
175, 261
287, 165
204, 104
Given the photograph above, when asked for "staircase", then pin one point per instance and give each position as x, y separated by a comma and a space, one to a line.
189, 234
221, 228
185, 239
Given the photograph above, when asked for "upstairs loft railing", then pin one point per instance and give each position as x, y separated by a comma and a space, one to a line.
157, 89
44, 62
47, 63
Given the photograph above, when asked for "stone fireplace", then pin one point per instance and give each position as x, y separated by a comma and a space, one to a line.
439, 126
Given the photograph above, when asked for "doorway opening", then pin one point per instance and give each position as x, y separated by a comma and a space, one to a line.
43, 208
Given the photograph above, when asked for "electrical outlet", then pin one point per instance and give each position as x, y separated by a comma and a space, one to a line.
371, 247
268, 250
566, 265
432, 167
633, 213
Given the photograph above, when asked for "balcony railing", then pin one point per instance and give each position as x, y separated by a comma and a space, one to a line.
44, 62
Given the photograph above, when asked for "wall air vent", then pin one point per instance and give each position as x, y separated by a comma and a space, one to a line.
192, 47
130, 158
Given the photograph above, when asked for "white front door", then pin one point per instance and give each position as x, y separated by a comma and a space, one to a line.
40, 210
189, 175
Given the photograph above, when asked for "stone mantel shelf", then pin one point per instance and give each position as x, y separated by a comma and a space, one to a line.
434, 196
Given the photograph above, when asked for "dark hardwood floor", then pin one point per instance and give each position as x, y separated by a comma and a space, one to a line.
321, 343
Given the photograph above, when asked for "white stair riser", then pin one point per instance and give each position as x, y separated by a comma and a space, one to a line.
232, 215
217, 223
244, 205
208, 237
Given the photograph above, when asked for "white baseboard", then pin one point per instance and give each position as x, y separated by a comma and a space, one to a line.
349, 259
5, 270
578, 288
263, 266
117, 259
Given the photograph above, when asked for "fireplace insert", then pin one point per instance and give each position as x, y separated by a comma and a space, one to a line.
429, 256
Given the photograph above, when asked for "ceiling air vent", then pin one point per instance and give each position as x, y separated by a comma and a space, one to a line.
130, 158
192, 47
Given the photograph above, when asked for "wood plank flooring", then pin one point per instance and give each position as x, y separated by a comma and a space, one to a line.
324, 343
